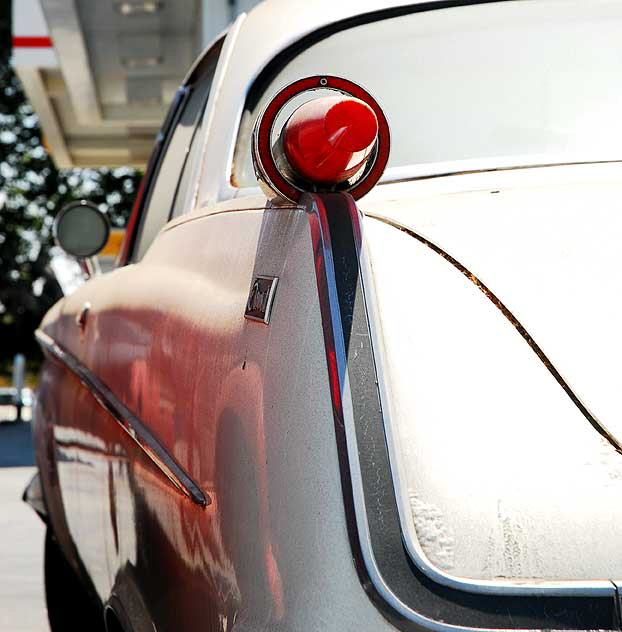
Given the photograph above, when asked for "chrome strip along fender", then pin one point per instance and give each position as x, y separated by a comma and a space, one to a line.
133, 426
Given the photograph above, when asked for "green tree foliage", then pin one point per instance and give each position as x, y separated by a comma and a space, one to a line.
32, 191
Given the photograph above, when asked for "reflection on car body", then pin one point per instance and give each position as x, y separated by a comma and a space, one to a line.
290, 408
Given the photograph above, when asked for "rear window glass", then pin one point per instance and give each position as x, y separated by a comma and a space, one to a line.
532, 82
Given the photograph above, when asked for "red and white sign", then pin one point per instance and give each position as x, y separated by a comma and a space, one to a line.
32, 44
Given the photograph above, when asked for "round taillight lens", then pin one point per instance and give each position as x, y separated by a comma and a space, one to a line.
338, 141
327, 140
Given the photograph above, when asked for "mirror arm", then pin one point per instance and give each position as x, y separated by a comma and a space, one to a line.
90, 267
93, 263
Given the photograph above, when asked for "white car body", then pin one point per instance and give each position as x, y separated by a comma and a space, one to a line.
424, 435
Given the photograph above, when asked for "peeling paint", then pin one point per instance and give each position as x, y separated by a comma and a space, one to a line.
432, 532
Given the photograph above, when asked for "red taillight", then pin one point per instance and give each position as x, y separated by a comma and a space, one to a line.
327, 140
336, 143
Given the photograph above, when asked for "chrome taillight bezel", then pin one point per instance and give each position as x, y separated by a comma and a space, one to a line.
270, 165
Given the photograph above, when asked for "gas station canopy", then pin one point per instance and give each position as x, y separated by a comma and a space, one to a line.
101, 73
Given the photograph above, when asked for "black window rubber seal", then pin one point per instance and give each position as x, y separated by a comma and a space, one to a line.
274, 66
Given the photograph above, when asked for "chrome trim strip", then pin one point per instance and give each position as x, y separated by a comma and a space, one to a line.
363, 529
431, 170
209, 210
135, 428
565, 588
344, 414
343, 408
222, 70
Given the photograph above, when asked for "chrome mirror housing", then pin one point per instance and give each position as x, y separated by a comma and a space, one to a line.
81, 229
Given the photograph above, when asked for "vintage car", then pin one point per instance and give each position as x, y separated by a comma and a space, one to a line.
318, 394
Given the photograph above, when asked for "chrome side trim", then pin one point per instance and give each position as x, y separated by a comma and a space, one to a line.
565, 588
431, 170
135, 428
344, 414
466, 606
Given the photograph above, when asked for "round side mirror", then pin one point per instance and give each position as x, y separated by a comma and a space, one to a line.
81, 229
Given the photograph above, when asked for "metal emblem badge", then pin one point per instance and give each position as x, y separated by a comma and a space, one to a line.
260, 299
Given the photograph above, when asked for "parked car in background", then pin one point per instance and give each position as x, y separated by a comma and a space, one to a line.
14, 398
15, 401
294, 406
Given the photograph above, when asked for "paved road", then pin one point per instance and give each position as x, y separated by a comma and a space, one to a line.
22, 603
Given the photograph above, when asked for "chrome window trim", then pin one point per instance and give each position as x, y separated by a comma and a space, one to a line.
151, 171
225, 189
223, 184
431, 170
199, 190
562, 588
189, 196
224, 41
